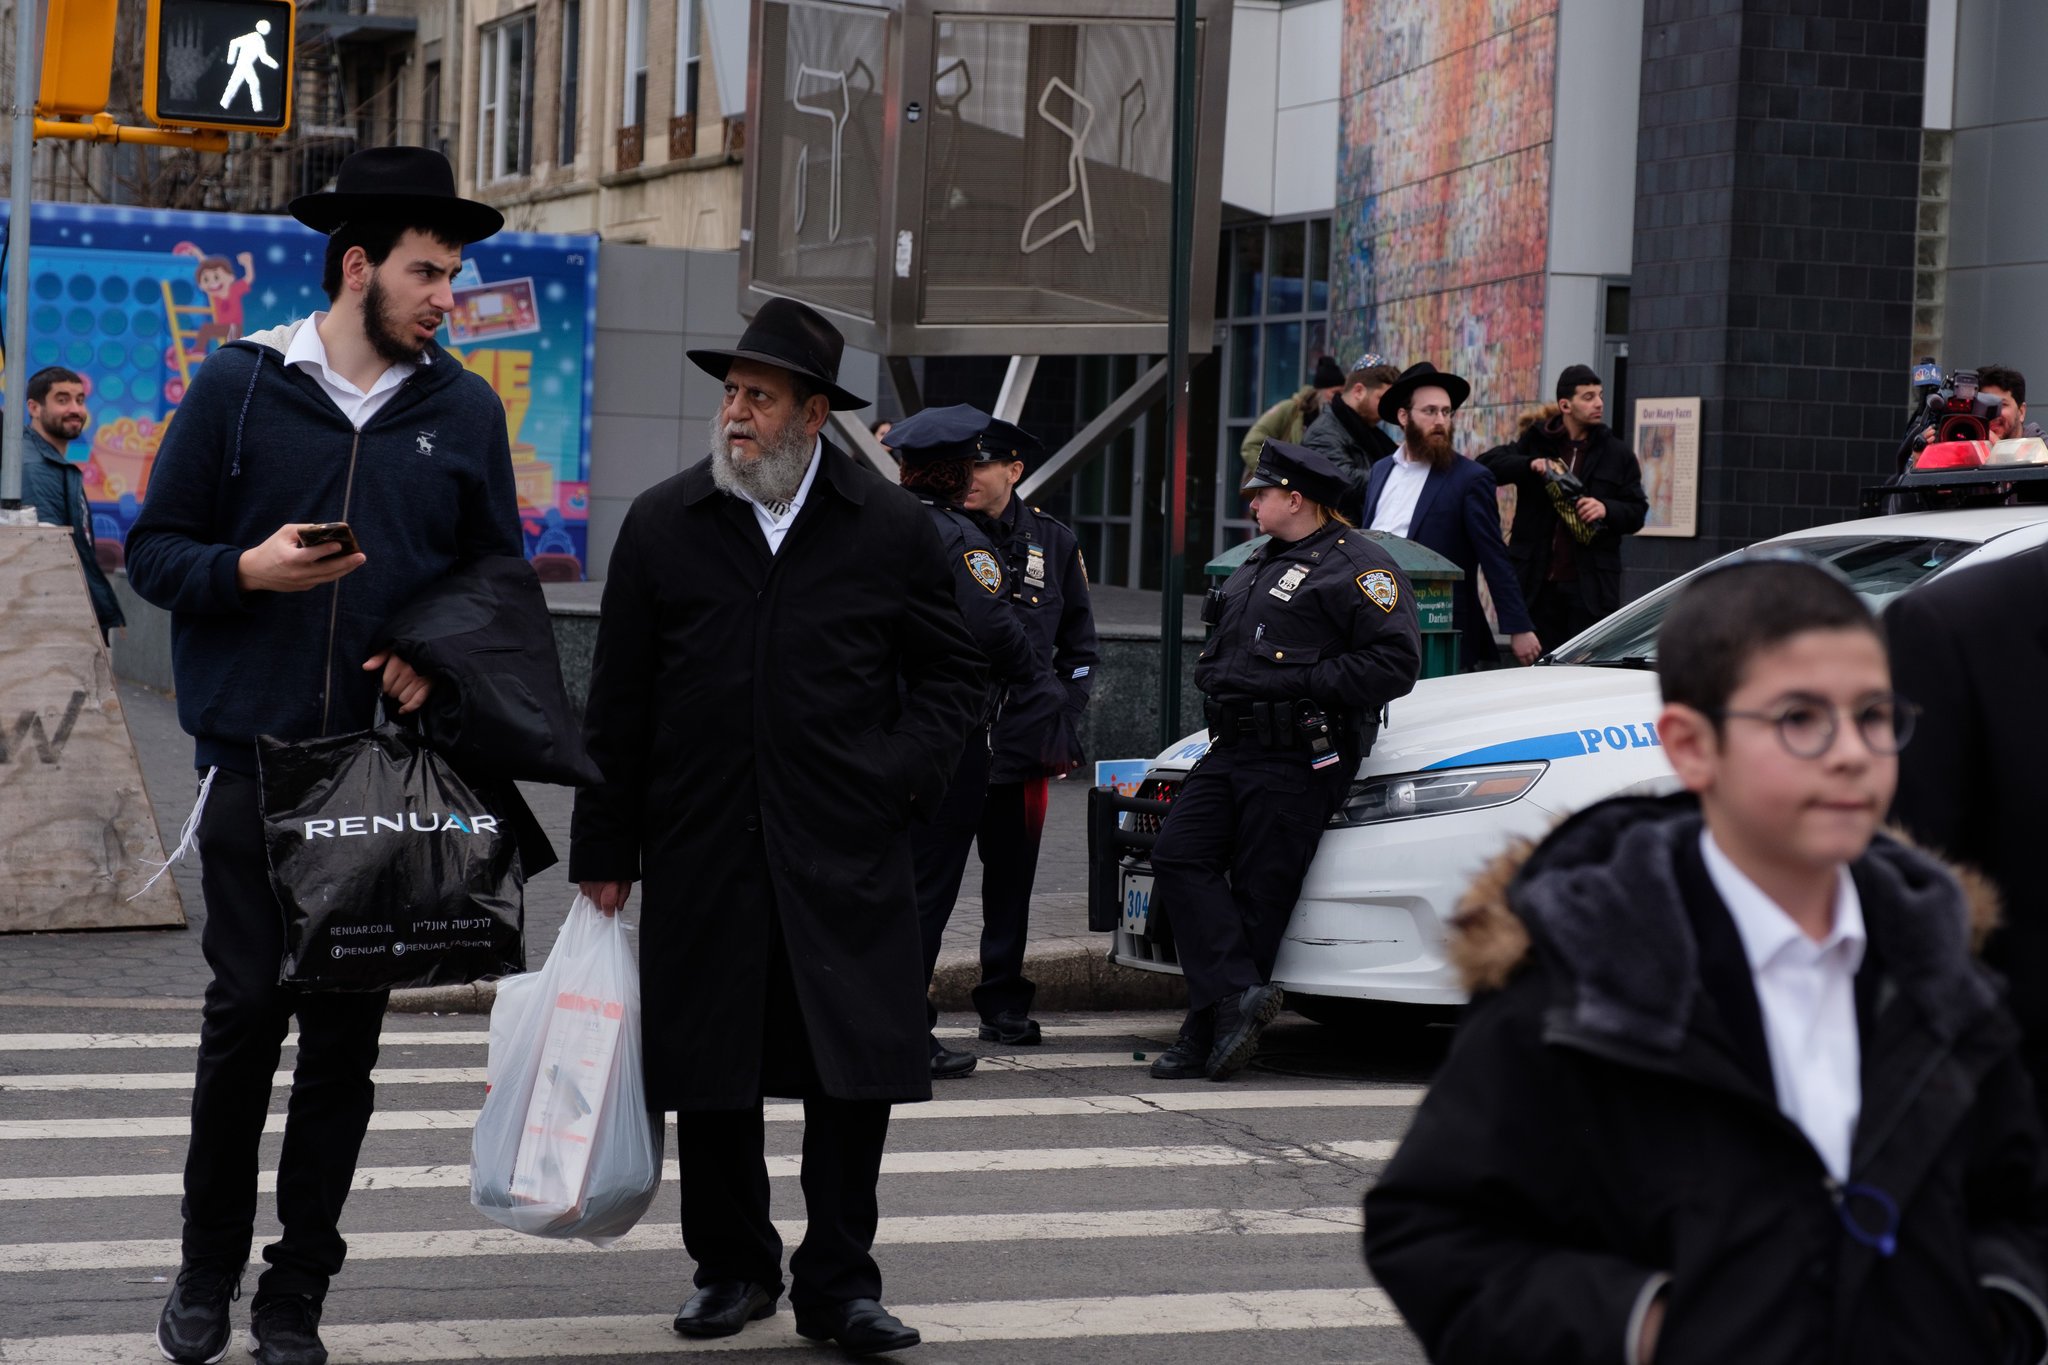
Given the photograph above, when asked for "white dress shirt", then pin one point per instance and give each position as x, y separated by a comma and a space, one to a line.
1400, 493
775, 521
309, 353
1806, 992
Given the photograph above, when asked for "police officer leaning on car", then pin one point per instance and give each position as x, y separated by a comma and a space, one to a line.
1310, 639
938, 447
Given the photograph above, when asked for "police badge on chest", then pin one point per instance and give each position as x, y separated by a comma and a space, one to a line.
1289, 581
1034, 566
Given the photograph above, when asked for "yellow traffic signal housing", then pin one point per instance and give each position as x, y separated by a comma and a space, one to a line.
219, 64
78, 56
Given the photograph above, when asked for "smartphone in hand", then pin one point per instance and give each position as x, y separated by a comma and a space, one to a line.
329, 533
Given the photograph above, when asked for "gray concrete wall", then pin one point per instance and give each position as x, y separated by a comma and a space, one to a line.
1998, 259
650, 408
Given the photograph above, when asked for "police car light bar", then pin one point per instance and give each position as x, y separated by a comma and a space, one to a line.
2023, 451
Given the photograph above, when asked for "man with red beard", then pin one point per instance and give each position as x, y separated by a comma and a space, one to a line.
1429, 494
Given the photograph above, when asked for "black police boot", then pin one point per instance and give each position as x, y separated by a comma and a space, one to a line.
1015, 1030
1240, 1019
1188, 1058
284, 1329
947, 1065
193, 1328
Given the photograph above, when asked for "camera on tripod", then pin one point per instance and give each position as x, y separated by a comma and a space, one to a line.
1958, 411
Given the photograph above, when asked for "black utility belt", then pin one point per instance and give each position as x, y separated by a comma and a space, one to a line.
1278, 725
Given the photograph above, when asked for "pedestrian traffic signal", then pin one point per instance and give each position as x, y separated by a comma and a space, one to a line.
224, 64
78, 56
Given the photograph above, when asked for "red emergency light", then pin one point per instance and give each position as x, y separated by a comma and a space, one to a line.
1952, 455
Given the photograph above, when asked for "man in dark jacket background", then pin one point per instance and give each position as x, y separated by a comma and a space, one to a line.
782, 682
1567, 549
318, 421
1347, 432
55, 486
1038, 735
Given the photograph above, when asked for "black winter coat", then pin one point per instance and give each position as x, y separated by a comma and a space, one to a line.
1607, 1118
1327, 618
764, 724
1039, 732
1610, 472
1971, 647
1352, 444
982, 594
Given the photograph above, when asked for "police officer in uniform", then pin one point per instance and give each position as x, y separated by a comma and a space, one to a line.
1038, 735
937, 448
1310, 639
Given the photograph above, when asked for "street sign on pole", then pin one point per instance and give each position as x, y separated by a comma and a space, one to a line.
219, 64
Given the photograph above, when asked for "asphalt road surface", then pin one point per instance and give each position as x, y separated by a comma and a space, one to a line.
1059, 1205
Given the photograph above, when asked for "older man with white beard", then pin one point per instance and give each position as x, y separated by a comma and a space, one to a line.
782, 678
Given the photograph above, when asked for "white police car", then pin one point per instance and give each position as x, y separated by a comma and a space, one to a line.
1464, 764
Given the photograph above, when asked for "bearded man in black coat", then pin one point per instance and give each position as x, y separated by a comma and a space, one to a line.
781, 678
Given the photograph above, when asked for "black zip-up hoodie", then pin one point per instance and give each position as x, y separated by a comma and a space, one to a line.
426, 485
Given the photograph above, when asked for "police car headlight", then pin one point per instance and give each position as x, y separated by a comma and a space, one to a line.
1445, 791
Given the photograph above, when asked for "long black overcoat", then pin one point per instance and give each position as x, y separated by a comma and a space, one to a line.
764, 724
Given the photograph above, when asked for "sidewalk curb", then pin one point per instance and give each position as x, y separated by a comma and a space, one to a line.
1068, 977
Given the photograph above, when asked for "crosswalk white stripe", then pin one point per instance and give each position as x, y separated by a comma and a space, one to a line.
1143, 1025
392, 1343
46, 1257
1208, 1099
943, 1162
474, 1075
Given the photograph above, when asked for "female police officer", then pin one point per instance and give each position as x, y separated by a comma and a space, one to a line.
1311, 637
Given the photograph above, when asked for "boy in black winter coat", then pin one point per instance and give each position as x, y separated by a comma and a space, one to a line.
1731, 1086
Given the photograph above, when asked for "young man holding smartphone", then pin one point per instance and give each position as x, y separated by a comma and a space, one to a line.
275, 619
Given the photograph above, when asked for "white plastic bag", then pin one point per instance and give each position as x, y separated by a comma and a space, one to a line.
565, 1145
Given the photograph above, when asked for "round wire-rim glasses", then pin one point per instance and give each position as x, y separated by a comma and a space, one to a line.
1807, 726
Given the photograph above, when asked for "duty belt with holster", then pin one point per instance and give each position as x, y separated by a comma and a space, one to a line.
1289, 726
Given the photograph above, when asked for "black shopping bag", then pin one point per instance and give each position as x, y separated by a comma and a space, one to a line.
390, 869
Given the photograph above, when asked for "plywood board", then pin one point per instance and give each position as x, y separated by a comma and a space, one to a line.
75, 822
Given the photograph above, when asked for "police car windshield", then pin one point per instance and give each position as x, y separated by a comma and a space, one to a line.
1879, 568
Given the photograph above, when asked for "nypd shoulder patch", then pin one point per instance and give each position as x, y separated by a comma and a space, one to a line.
985, 569
1380, 588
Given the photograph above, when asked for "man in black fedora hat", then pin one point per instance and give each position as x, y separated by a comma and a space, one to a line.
317, 421
782, 683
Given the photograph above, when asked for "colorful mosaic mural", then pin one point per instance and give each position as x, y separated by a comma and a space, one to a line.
1443, 194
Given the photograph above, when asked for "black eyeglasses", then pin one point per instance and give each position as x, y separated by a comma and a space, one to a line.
1807, 725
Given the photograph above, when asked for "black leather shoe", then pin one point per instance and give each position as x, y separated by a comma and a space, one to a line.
947, 1065
862, 1327
285, 1330
193, 1328
1188, 1058
1240, 1019
722, 1307
1012, 1029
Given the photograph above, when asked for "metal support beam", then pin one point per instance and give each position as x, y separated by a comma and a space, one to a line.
102, 128
905, 380
1111, 423
27, 65
1016, 387
856, 436
1173, 553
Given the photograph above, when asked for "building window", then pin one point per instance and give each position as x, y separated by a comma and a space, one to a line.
682, 135
505, 100
636, 64
1273, 311
431, 134
572, 76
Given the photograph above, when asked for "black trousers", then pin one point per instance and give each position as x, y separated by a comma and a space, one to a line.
1230, 860
1012, 824
725, 1205
1558, 613
940, 840
247, 1013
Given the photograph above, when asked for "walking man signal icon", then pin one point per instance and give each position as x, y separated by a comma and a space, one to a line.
243, 54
